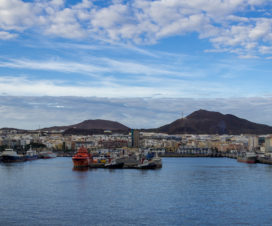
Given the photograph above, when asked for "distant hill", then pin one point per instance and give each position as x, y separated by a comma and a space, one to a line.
90, 127
199, 122
6, 129
208, 122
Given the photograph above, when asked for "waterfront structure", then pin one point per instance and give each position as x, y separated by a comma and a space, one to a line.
253, 143
135, 138
268, 144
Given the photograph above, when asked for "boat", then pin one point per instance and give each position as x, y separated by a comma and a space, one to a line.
247, 157
150, 161
31, 155
131, 161
147, 164
264, 158
82, 158
9, 155
47, 155
115, 164
157, 160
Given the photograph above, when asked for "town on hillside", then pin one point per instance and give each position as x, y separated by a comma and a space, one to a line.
163, 144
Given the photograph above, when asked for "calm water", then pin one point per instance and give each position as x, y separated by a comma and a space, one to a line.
186, 191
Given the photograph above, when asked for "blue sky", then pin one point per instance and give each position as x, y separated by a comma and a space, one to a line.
175, 50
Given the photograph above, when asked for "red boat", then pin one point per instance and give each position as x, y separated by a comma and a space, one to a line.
82, 158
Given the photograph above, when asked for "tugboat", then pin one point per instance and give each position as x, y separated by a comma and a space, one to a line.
9, 155
82, 158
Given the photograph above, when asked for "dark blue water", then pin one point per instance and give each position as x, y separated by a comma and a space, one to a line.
186, 191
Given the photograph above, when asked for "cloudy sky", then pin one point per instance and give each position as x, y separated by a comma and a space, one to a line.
140, 62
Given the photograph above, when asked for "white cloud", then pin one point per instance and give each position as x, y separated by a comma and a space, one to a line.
95, 66
23, 86
6, 35
145, 21
144, 86
71, 67
16, 15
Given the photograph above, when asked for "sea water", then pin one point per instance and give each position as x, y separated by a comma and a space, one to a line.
186, 191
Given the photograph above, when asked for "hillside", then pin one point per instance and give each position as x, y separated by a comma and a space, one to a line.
208, 122
91, 127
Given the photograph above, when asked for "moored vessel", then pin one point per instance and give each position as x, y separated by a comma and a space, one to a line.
115, 164
147, 164
264, 158
82, 158
9, 155
47, 155
31, 155
247, 157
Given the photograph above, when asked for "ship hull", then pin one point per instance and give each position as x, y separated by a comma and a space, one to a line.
30, 158
79, 162
12, 159
116, 166
247, 160
47, 155
265, 160
148, 166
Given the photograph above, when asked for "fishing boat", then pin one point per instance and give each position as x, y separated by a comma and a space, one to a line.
247, 157
9, 155
264, 158
147, 164
82, 158
150, 161
157, 160
31, 155
115, 164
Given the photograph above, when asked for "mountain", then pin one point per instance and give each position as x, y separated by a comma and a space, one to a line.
90, 127
209, 122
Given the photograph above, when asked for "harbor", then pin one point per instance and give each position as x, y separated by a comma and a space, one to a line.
122, 159
185, 191
132, 158
135, 150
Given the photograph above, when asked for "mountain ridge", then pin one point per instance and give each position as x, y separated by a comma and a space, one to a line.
210, 122
91, 124
198, 122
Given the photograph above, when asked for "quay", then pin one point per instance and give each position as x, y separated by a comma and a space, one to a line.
213, 153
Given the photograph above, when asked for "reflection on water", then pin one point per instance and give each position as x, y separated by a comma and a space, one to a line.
81, 169
186, 191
